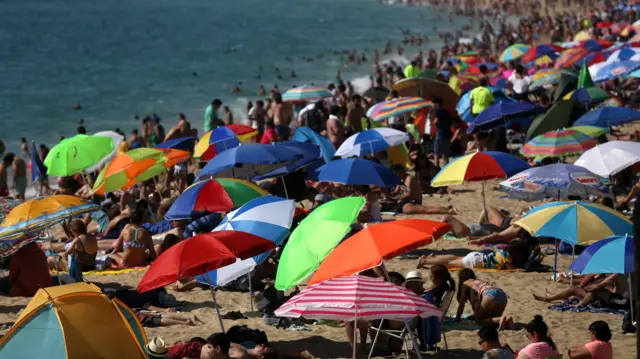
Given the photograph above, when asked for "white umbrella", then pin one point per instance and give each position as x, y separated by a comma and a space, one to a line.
369, 142
117, 139
610, 158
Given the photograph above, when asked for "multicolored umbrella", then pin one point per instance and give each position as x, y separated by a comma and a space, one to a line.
397, 107
200, 197
613, 254
214, 142
371, 141
595, 45
616, 69
609, 116
357, 171
548, 77
73, 155
10, 246
571, 57
558, 143
514, 52
240, 191
479, 166
539, 51
306, 93
610, 158
376, 243
575, 222
39, 214
314, 238
244, 132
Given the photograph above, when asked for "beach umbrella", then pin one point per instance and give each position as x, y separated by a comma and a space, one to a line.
613, 254
583, 35
116, 139
248, 161
429, 90
201, 254
306, 134
610, 158
609, 116
588, 96
183, 144
215, 142
575, 222
514, 52
562, 114
595, 45
357, 171
624, 54
200, 197
591, 131
558, 180
369, 142
548, 77
541, 50
571, 57
377, 93
429, 73
498, 114
314, 238
398, 107
41, 213
616, 69
73, 155
464, 105
558, 143
377, 243
244, 132
10, 245
357, 297
309, 153
543, 60
306, 93
240, 191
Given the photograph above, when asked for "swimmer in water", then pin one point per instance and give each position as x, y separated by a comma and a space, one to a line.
236, 88
293, 75
262, 91
77, 106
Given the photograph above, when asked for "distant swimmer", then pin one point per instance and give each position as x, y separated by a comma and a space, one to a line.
236, 88
77, 106
195, 74
293, 75
262, 91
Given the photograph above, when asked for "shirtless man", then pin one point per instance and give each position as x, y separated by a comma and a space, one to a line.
180, 130
260, 351
335, 129
258, 118
409, 196
282, 113
19, 183
4, 187
355, 114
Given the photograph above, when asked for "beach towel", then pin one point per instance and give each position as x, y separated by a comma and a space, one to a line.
465, 324
452, 237
111, 271
570, 306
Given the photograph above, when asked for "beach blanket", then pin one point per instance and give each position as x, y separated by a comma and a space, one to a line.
570, 306
488, 270
465, 324
109, 271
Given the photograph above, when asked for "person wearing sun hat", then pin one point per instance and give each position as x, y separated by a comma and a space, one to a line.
413, 281
156, 349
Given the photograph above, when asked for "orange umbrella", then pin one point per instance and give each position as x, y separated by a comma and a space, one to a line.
174, 156
369, 247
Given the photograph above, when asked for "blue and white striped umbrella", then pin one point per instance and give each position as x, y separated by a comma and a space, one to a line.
269, 217
371, 141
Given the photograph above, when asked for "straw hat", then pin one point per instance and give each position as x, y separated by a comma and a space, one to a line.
414, 276
156, 348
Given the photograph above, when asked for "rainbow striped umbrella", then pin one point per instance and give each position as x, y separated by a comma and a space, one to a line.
558, 143
514, 52
396, 107
548, 77
571, 57
306, 93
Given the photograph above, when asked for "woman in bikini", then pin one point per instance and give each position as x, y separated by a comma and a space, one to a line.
134, 244
487, 300
83, 245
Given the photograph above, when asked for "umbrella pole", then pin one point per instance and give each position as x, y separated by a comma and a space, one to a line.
555, 262
573, 258
633, 318
250, 292
413, 339
284, 185
484, 204
213, 296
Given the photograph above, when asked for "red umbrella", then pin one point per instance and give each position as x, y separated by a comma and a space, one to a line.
604, 25
201, 254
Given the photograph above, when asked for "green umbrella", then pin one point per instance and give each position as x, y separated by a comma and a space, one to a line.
315, 238
72, 155
591, 131
561, 115
567, 84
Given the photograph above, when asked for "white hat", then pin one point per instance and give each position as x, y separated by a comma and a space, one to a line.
414, 276
156, 348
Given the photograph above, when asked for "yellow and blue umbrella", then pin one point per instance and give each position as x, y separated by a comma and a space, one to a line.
479, 166
575, 222
11, 245
548, 77
514, 52
306, 93
215, 142
613, 254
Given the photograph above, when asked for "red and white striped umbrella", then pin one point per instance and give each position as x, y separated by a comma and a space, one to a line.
361, 297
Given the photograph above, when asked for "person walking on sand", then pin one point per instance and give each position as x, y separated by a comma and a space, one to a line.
211, 118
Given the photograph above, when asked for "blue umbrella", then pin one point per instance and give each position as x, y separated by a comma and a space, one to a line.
558, 180
608, 116
371, 141
306, 134
38, 169
498, 114
614, 254
248, 161
615, 70
357, 171
184, 144
310, 153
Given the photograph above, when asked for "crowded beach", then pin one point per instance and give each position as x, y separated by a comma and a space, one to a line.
477, 202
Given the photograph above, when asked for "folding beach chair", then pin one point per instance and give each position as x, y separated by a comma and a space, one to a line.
447, 298
400, 334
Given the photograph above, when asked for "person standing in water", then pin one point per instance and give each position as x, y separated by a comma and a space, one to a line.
19, 168
228, 116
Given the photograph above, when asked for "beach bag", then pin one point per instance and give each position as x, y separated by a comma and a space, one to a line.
74, 268
241, 333
618, 302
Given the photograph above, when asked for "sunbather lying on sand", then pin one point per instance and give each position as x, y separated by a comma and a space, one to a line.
490, 221
610, 291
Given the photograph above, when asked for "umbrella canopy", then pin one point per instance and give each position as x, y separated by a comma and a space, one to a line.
514, 52
215, 142
116, 139
204, 196
557, 180
377, 243
616, 69
609, 116
613, 254
557, 144
500, 113
561, 115
73, 155
588, 96
309, 153
591, 131
11, 245
377, 94
478, 166
571, 57
549, 77
38, 214
575, 222
428, 90
306, 93
609, 158
200, 254
268, 217
539, 51
243, 132
183, 144
359, 297
314, 238
397, 107
624, 54
371, 141
595, 45
357, 171
240, 191
248, 161
306, 134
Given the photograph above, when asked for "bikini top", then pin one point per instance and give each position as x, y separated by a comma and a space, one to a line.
135, 243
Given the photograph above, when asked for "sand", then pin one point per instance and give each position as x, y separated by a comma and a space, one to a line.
567, 328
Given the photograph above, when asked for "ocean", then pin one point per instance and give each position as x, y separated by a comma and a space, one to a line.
121, 58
